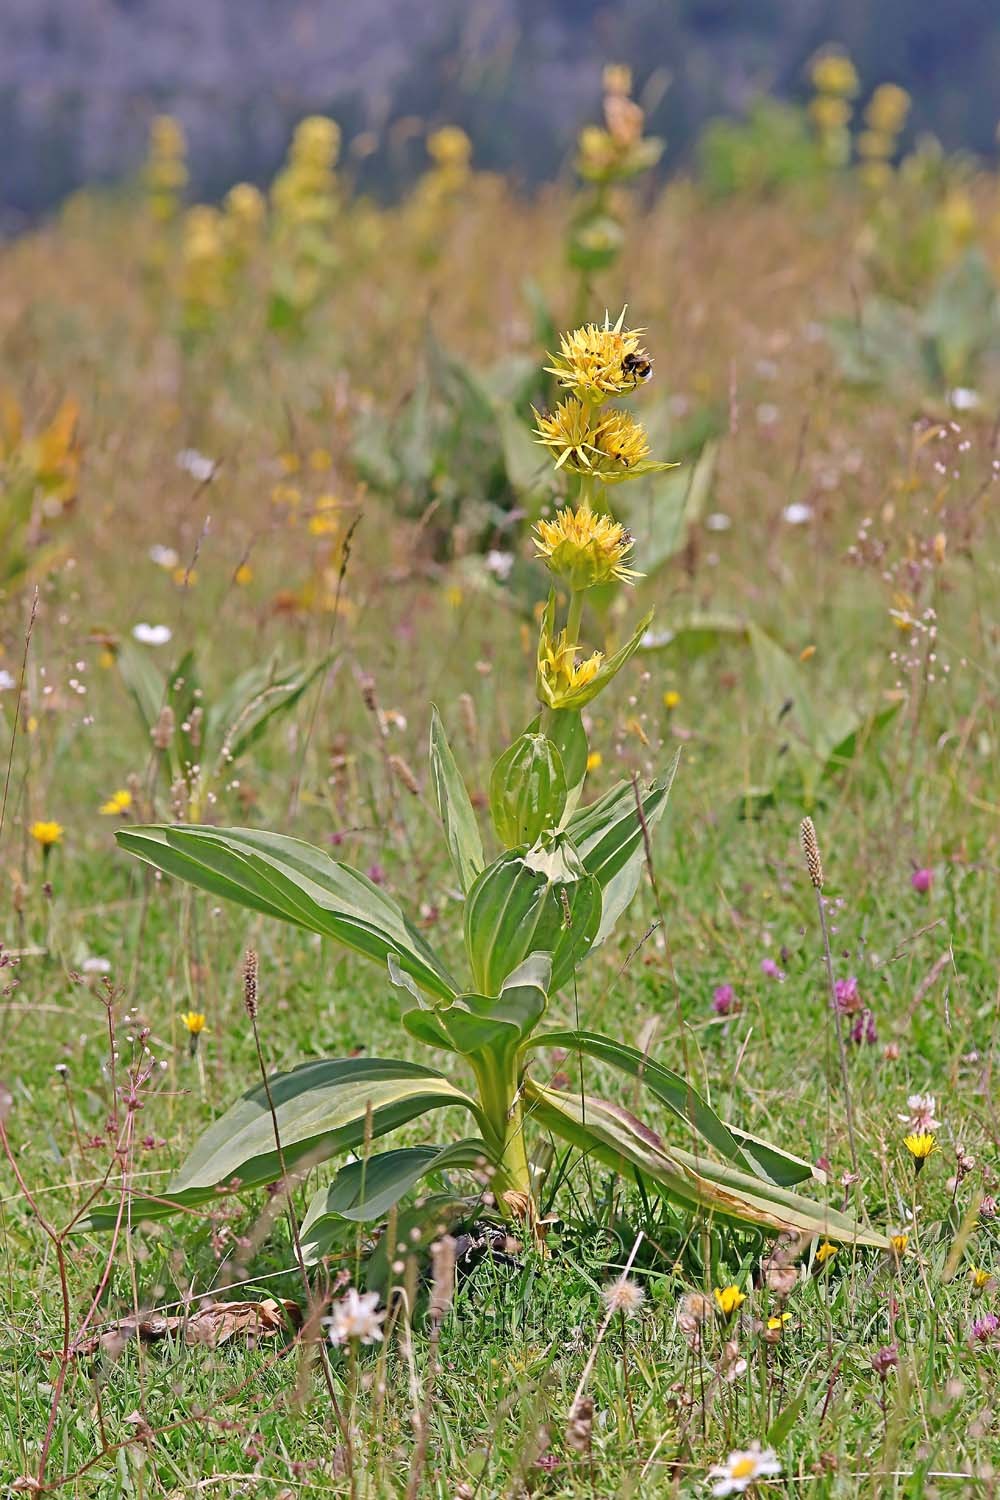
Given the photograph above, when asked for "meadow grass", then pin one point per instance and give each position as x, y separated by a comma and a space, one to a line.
733, 296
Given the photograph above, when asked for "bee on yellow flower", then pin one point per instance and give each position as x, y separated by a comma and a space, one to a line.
825, 1252
728, 1299
598, 361
920, 1146
47, 833
584, 548
119, 802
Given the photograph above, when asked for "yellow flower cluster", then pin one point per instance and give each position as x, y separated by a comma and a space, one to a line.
617, 149
203, 264
585, 549
835, 79
885, 115
165, 174
304, 192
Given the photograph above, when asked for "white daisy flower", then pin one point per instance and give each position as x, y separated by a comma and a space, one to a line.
743, 1468
164, 557
355, 1317
6, 681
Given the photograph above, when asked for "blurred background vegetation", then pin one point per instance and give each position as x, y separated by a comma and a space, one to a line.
81, 80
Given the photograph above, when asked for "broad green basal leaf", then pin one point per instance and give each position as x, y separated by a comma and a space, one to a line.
616, 1137
289, 879
366, 1190
753, 1156
322, 1108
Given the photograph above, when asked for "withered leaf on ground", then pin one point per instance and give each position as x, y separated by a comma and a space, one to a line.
210, 1323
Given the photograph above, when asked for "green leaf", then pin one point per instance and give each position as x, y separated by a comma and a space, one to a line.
960, 317
289, 879
479, 1023
661, 524
564, 727
366, 1190
686, 1103
144, 681
538, 900
697, 634
527, 790
238, 719
617, 1138
457, 816
608, 837
322, 1108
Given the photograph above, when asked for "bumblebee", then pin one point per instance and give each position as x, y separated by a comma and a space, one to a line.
637, 367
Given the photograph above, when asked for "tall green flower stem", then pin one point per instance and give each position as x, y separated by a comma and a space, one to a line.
565, 873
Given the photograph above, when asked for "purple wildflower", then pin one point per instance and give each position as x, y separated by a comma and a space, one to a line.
770, 969
922, 880
863, 1029
724, 1000
376, 874
884, 1359
985, 1329
848, 996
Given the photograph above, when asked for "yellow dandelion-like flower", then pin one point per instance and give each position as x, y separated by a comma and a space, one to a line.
981, 1280
601, 360
671, 699
585, 548
595, 760
194, 1022
118, 802
243, 575
47, 832
778, 1321
920, 1146
825, 1252
898, 1244
728, 1299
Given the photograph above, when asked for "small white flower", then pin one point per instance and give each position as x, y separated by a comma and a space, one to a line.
718, 521
164, 557
196, 464
623, 1296
767, 414
152, 635
355, 1317
964, 399
742, 1469
797, 514
499, 564
96, 966
6, 681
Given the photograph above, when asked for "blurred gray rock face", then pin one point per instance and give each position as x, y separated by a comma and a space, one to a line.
81, 79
